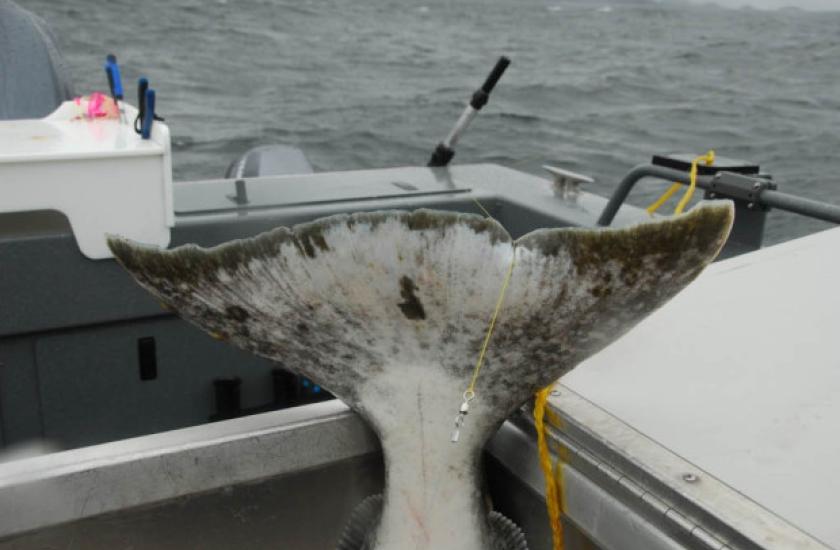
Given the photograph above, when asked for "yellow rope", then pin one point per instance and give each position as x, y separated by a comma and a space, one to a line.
552, 490
665, 196
709, 159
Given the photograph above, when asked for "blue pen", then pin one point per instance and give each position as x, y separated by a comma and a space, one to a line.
148, 115
112, 69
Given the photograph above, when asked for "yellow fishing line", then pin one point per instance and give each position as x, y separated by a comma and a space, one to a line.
470, 391
552, 497
480, 362
481, 207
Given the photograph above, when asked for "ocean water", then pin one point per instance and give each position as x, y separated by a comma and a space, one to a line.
594, 86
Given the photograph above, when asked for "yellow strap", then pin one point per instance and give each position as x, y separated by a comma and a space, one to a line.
552, 490
709, 159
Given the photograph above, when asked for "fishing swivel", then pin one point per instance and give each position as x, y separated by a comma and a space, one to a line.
469, 395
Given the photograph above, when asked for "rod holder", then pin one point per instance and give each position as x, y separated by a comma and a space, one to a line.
445, 150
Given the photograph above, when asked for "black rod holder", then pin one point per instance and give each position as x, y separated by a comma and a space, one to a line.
445, 150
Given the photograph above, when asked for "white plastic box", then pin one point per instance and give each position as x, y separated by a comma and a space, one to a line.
99, 173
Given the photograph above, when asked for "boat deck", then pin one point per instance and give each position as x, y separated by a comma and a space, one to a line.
730, 394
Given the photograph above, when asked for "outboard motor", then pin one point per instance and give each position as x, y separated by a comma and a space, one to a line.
269, 160
35, 78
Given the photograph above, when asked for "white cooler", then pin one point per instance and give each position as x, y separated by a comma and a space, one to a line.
99, 173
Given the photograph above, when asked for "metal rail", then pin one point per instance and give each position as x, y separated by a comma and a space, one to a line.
765, 197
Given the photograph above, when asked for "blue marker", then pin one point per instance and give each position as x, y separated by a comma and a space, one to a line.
115, 82
148, 115
114, 79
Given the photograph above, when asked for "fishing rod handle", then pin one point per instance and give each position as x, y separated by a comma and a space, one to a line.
142, 86
495, 74
480, 97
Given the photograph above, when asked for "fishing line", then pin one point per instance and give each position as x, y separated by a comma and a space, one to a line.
469, 393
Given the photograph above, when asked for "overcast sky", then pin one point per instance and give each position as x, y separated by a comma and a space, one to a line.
807, 4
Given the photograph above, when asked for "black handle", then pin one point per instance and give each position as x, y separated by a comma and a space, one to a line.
441, 156
495, 74
142, 86
480, 97
111, 81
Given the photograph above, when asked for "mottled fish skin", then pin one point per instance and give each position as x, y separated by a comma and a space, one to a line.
388, 311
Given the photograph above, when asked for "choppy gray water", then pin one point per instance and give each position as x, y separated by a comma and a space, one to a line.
593, 87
